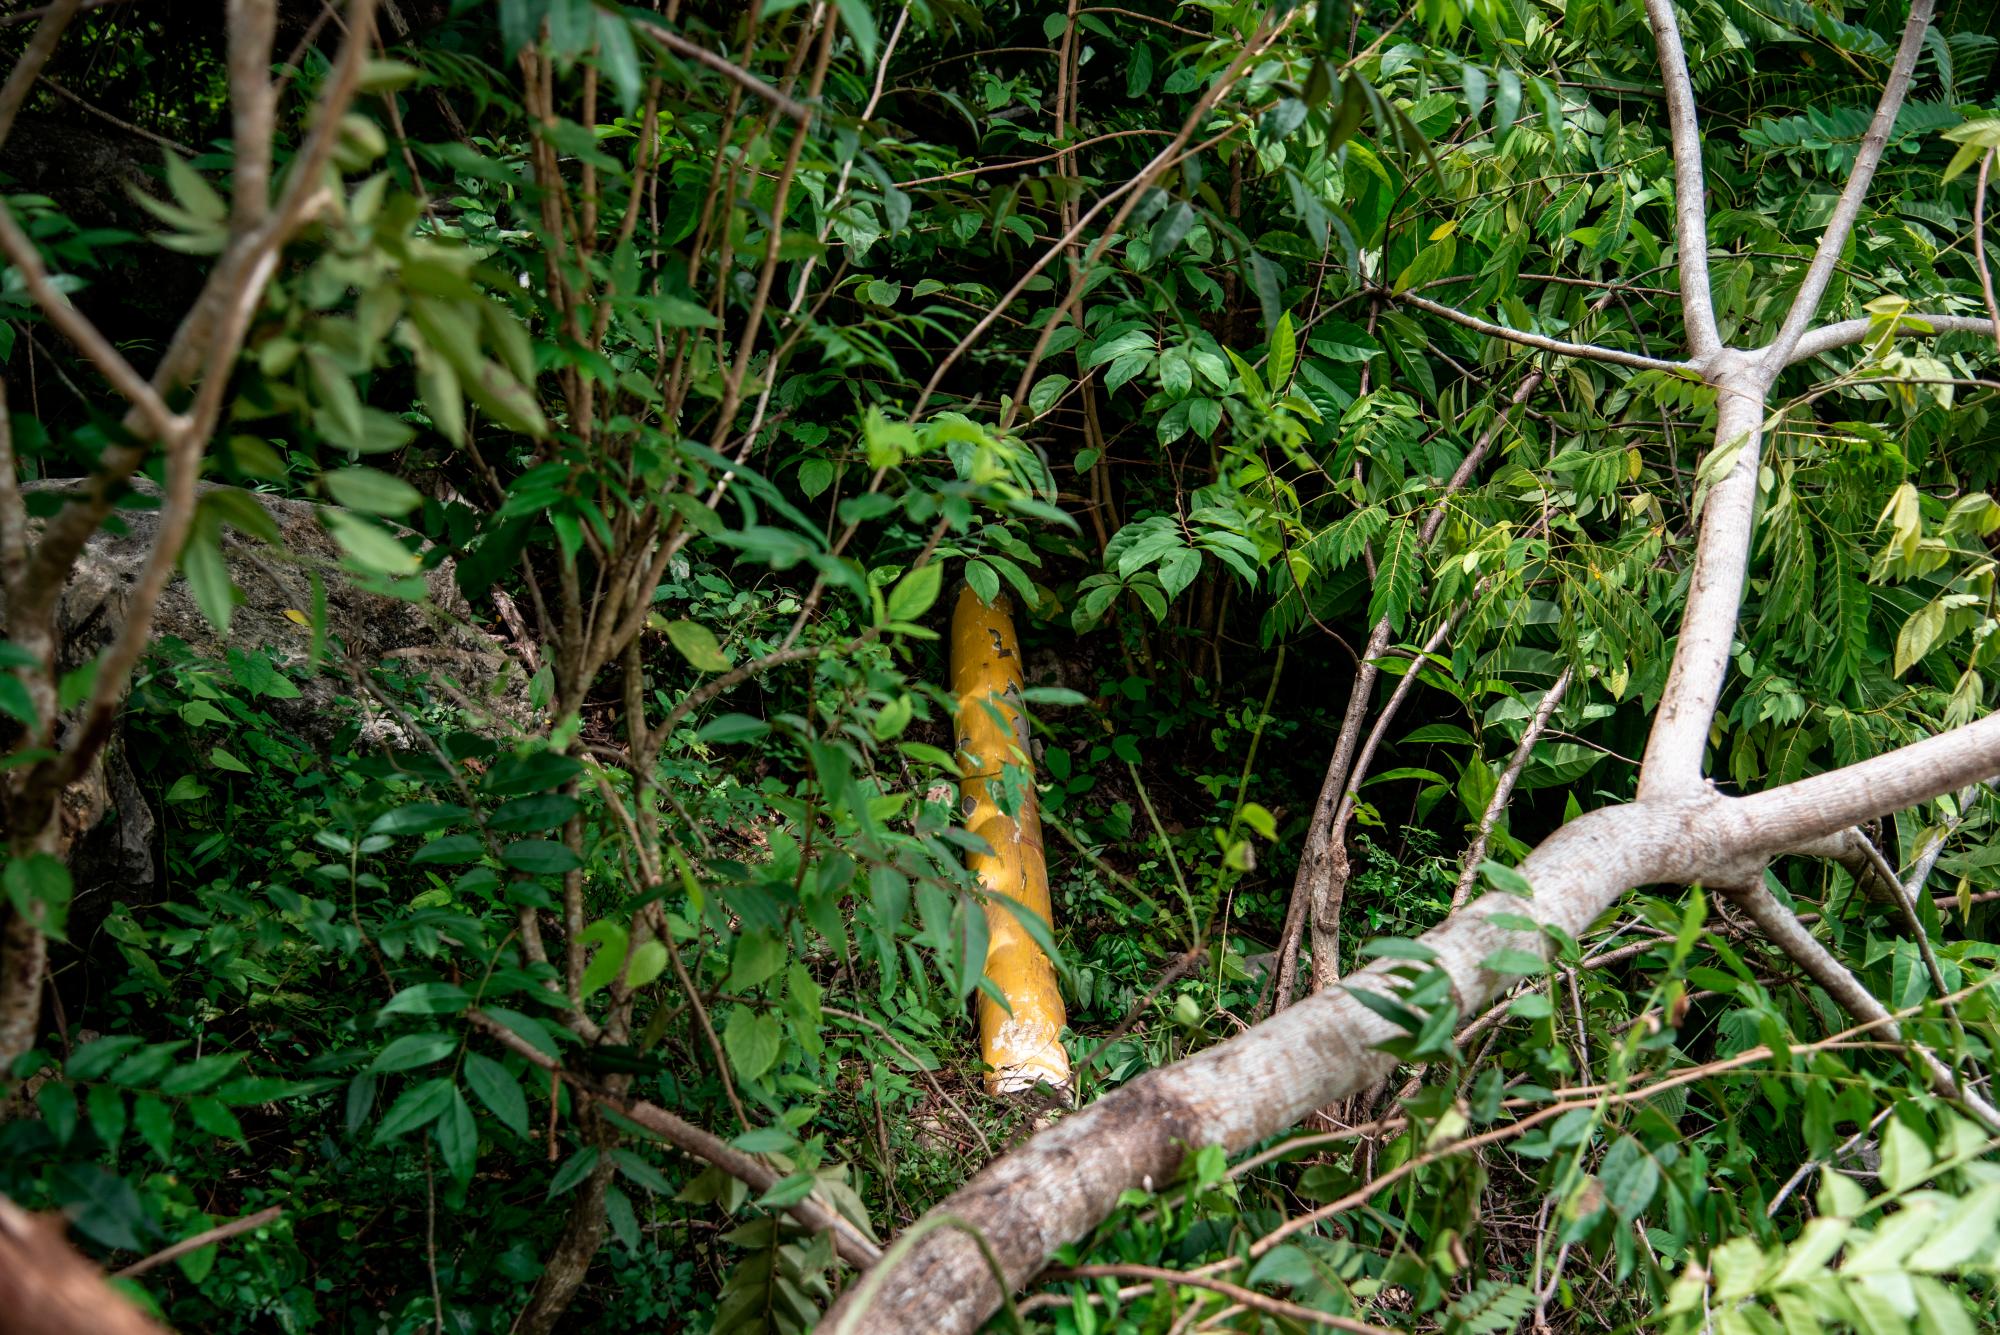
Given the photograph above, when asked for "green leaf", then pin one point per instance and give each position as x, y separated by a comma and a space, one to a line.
106, 1106
372, 548
624, 1221
1919, 633
414, 1050
452, 849
1399, 573
1284, 351
500, 1092
642, 1173
757, 957
726, 728
417, 818
38, 887
212, 1116
418, 1106
530, 1030
916, 592
155, 1119
208, 575
697, 644
540, 857
428, 999
371, 490
201, 1074
457, 1136
1506, 879
611, 940
752, 1041
574, 1171
99, 1055
538, 811
1045, 393
57, 1104
1518, 963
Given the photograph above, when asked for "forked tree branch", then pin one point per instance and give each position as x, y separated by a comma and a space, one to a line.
1680, 830
29, 67
1690, 183
1325, 1047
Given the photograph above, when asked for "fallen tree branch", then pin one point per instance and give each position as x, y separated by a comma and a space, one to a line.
1874, 142
1328, 1046
1846, 333
849, 1242
1784, 930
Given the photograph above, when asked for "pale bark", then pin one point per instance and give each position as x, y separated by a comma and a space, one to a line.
1874, 142
1690, 182
1064, 1181
940, 1277
1785, 931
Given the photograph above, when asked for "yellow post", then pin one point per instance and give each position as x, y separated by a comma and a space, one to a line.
1023, 1049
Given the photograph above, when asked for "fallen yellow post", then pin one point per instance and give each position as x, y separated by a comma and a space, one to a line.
1024, 1049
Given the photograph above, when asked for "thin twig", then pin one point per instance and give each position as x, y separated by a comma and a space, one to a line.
852, 1245
54, 18
206, 1238
1312, 1316
1979, 244
729, 70
1587, 351
1503, 792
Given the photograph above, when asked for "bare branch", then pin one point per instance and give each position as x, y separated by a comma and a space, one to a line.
1690, 182
1786, 932
1588, 351
1812, 288
234, 290
13, 510
1979, 244
29, 67
253, 106
205, 1238
92, 108
853, 1246
155, 416
736, 74
1503, 792
1846, 333
1715, 594
1320, 860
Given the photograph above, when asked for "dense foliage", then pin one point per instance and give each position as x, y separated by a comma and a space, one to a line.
700, 353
